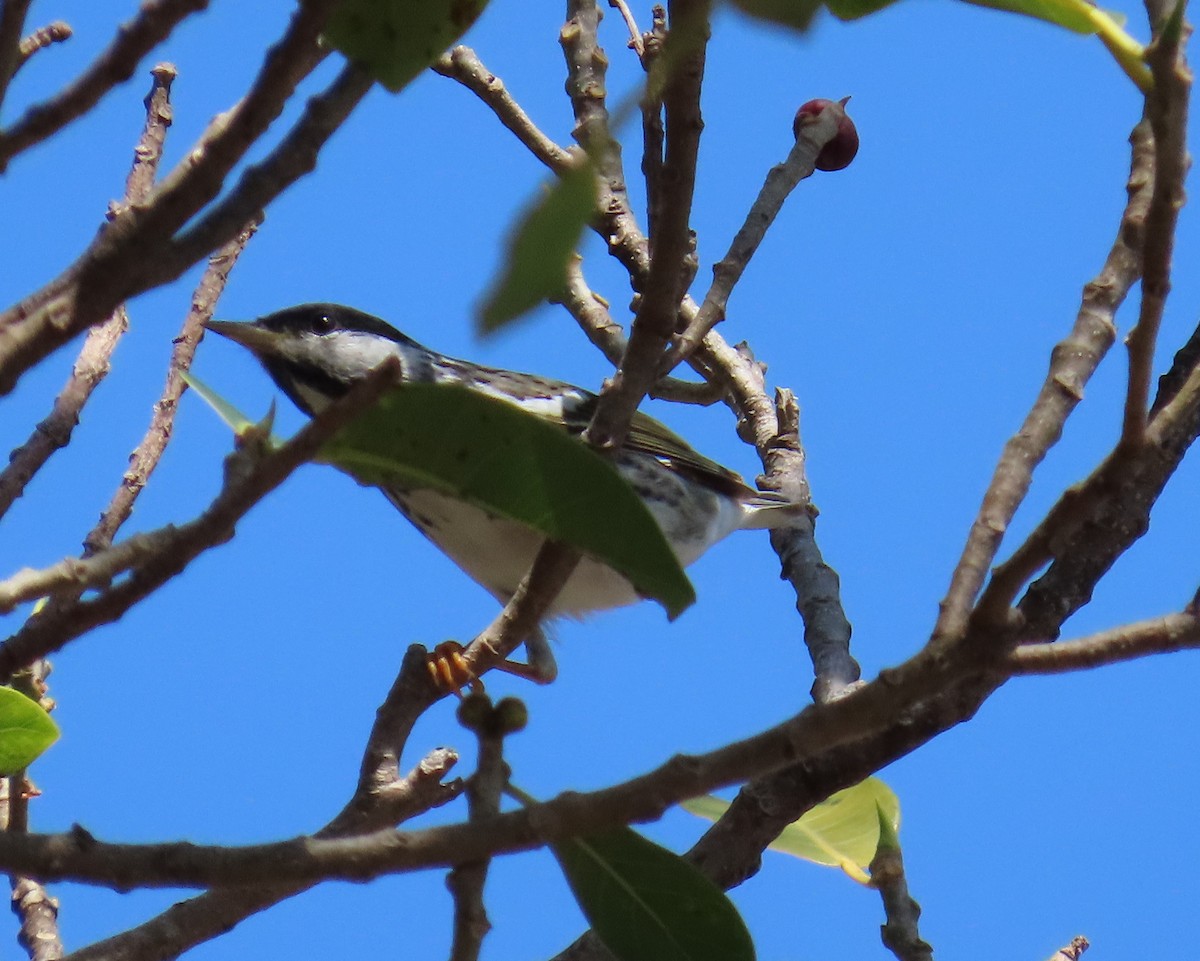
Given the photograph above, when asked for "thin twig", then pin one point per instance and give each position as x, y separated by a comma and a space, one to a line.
781, 180
590, 311
1072, 951
155, 21
1166, 112
32, 903
466, 881
94, 360
54, 32
635, 35
75, 300
901, 933
149, 451
1072, 363
1159, 635
462, 64
651, 106
12, 26
189, 923
654, 324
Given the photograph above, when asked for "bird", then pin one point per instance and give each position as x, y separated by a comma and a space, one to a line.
316, 352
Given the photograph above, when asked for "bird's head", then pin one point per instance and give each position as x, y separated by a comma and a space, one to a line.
317, 352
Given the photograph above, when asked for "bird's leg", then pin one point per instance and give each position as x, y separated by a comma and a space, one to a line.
450, 671
541, 667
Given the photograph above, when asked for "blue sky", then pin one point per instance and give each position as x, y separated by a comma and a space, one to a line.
911, 301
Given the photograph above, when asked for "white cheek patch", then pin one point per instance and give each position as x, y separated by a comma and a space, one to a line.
347, 355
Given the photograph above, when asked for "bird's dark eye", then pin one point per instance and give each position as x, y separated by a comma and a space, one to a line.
323, 324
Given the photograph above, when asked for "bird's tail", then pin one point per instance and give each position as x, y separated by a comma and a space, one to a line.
769, 509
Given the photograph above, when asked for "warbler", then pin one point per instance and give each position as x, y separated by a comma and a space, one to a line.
316, 352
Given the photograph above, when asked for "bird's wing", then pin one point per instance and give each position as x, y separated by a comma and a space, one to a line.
649, 436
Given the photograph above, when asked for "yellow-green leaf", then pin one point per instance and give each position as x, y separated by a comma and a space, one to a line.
26, 730
842, 831
238, 422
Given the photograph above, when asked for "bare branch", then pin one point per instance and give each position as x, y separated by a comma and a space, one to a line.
149, 451
32, 903
213, 913
55, 32
586, 63
155, 21
153, 559
1072, 951
818, 590
134, 252
12, 25
683, 59
462, 64
466, 880
590, 311
653, 134
1159, 635
635, 35
93, 363
38, 912
1166, 112
1072, 363
781, 180
900, 934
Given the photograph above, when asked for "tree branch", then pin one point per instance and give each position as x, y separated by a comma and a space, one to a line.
93, 363
149, 451
1072, 363
682, 60
1166, 112
484, 790
135, 252
1159, 635
12, 26
462, 64
153, 559
781, 180
382, 799
57, 31
155, 21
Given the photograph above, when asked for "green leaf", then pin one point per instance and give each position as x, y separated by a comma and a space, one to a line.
541, 248
26, 730
395, 40
648, 904
797, 14
854, 9
842, 831
515, 465
238, 422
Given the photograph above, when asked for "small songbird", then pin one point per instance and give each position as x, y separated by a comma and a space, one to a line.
316, 352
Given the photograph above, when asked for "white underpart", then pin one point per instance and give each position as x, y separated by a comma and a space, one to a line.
497, 553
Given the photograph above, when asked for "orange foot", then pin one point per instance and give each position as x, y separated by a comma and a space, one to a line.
450, 671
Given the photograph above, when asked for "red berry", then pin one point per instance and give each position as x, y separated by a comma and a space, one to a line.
841, 149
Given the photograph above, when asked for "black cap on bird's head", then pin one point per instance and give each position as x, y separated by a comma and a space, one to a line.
317, 352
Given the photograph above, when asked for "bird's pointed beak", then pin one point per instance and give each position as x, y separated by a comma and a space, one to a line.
249, 334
